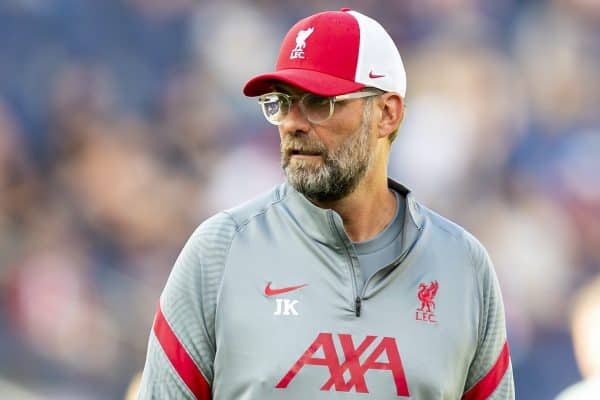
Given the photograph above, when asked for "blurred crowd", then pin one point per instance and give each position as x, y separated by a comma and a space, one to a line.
123, 126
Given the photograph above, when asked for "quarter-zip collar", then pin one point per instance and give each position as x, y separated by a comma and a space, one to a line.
327, 227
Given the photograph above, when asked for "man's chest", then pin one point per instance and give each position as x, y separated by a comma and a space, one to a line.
291, 331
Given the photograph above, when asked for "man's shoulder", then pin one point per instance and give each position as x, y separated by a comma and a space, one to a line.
442, 228
445, 225
452, 233
233, 219
259, 205
210, 242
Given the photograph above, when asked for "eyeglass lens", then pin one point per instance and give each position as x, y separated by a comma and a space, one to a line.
277, 105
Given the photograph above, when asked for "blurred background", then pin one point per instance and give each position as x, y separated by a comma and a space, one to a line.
123, 126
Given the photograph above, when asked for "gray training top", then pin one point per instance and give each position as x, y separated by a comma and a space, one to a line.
265, 302
383, 248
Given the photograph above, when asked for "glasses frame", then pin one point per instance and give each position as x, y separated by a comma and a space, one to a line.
289, 100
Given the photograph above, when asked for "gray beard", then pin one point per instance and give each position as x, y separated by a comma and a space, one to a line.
341, 170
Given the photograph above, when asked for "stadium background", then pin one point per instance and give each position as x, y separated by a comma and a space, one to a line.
122, 126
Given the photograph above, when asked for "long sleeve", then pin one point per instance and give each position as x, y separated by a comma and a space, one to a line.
490, 373
181, 347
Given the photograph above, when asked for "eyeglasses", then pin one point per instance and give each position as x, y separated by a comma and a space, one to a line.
277, 105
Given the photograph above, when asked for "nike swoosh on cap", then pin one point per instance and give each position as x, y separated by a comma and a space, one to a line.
373, 75
273, 292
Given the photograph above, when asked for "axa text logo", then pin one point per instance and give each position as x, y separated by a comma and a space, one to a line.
350, 373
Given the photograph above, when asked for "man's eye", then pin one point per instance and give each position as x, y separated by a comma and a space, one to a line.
316, 101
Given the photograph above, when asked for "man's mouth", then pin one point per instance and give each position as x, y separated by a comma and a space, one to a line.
305, 153
299, 152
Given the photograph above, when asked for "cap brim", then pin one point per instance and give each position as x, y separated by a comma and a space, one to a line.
307, 80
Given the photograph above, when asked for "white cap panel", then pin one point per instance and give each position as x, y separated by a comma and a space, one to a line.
379, 63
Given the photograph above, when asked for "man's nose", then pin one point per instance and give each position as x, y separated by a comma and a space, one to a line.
295, 122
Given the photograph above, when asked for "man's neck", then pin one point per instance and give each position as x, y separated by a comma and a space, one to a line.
366, 211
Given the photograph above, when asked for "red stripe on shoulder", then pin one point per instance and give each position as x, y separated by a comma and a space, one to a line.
488, 384
180, 359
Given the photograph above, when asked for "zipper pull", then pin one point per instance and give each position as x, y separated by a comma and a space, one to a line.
357, 305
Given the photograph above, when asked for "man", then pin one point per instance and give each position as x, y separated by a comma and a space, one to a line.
337, 284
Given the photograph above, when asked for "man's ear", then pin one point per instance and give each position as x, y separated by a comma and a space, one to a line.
392, 113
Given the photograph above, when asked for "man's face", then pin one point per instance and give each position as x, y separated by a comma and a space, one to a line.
327, 171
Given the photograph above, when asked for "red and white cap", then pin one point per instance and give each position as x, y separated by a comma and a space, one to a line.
333, 53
